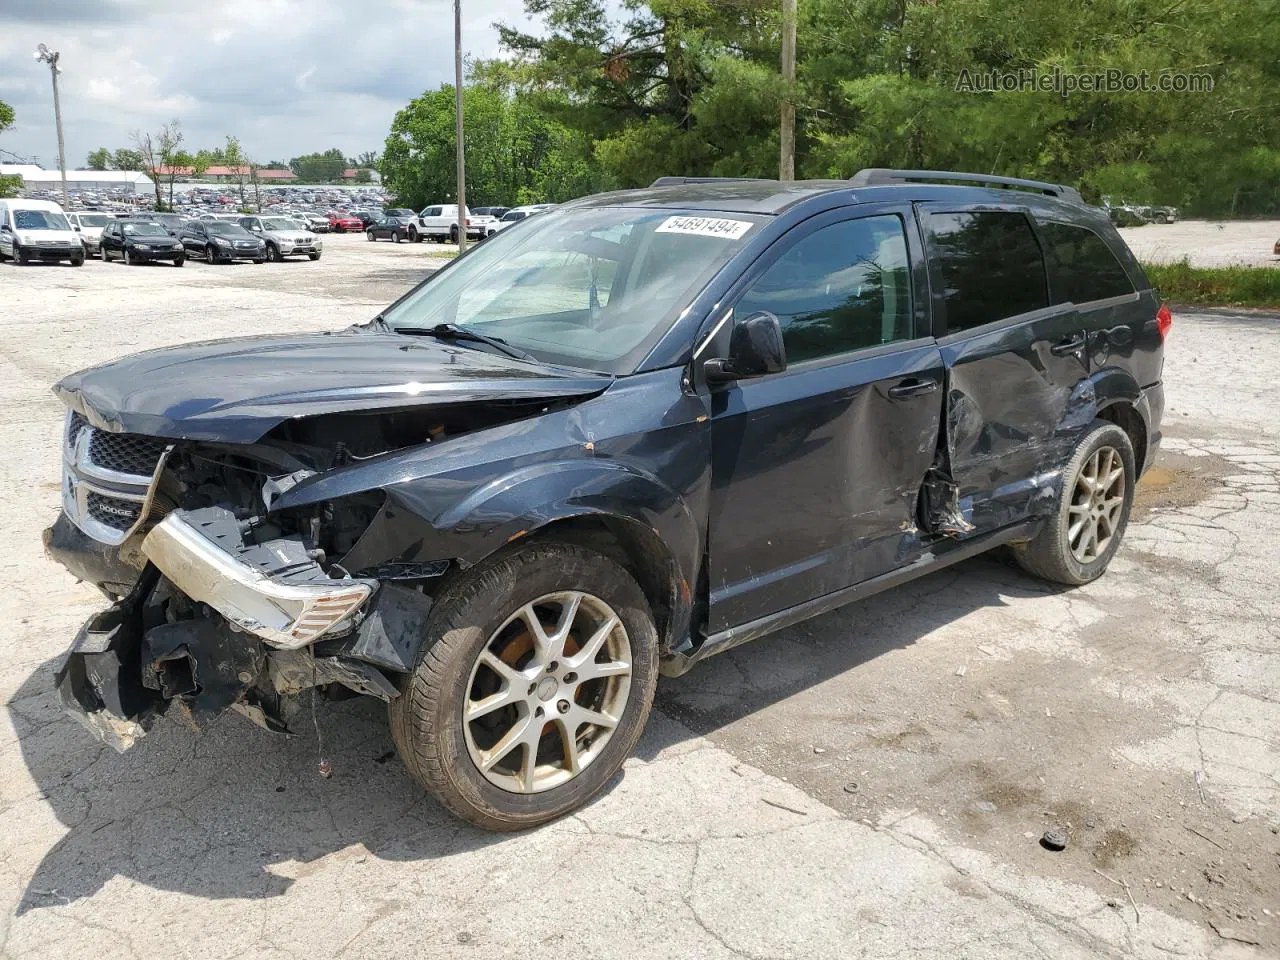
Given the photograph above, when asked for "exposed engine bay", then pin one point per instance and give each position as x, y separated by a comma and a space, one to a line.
222, 602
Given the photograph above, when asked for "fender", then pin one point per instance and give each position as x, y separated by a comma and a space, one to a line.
1113, 385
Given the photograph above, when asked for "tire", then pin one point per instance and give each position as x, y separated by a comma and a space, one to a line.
414, 236
179, 261
273, 253
77, 261
19, 256
372, 237
210, 256
469, 618
395, 236
453, 234
313, 257
1055, 554
128, 258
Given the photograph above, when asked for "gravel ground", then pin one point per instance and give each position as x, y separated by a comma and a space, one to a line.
840, 789
1206, 243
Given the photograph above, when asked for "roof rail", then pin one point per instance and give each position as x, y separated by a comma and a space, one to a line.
677, 181
878, 176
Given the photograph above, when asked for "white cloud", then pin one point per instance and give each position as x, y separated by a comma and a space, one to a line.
285, 76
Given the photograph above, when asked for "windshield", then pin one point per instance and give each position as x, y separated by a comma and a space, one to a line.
278, 223
144, 229
94, 219
39, 220
225, 229
591, 288
401, 213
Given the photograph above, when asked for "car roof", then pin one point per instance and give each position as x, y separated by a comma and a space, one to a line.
771, 197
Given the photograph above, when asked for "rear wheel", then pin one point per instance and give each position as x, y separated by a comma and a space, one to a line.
534, 686
273, 253
371, 236
453, 234
1092, 510
395, 236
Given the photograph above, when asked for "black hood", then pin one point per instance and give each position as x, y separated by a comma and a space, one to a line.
237, 390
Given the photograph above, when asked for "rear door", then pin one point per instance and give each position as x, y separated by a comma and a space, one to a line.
1018, 393
816, 470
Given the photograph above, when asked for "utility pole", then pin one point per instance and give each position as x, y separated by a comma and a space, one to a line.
43, 53
787, 161
457, 94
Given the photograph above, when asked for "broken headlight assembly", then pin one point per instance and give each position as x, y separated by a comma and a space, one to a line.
274, 590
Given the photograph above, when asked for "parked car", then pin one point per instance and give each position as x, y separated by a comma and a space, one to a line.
495, 212
515, 215
638, 431
440, 223
316, 223
172, 222
37, 230
344, 223
367, 217
140, 241
283, 237
89, 224
218, 241
395, 226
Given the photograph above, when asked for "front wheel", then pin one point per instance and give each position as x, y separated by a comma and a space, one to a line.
129, 261
414, 236
1091, 511
179, 261
453, 234
273, 253
210, 256
534, 686
313, 256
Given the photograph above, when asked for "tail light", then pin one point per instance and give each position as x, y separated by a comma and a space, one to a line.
1164, 320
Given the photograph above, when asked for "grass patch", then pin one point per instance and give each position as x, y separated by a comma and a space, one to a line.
1216, 286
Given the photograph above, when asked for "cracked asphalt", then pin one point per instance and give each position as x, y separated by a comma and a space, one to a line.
872, 783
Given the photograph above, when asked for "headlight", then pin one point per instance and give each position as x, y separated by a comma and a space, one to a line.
286, 615
221, 242
142, 246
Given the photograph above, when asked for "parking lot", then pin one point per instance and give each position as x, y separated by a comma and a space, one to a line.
871, 783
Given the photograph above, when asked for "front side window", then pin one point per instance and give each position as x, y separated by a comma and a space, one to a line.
592, 288
843, 287
1085, 269
990, 265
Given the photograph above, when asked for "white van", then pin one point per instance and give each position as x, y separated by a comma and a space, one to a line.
440, 222
37, 230
88, 224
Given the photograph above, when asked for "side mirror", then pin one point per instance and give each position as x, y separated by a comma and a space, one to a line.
755, 349
76, 228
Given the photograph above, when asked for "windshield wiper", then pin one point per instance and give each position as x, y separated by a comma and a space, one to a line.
451, 331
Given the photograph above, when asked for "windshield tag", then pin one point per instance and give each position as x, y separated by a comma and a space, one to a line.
705, 227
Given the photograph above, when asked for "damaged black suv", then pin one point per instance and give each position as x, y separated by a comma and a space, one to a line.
625, 435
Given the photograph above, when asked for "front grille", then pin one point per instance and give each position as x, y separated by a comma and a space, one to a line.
117, 514
125, 452
74, 427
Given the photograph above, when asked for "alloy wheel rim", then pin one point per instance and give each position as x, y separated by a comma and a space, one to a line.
547, 692
1097, 503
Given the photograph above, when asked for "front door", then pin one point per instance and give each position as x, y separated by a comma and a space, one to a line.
816, 471
1018, 392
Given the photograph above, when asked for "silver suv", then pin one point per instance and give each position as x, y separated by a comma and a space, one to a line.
284, 238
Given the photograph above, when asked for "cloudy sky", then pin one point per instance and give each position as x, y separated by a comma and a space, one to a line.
285, 76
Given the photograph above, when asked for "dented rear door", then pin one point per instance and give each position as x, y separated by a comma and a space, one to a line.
1018, 393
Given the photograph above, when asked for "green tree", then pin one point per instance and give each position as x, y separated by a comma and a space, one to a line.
514, 152
323, 167
99, 159
10, 184
126, 159
157, 151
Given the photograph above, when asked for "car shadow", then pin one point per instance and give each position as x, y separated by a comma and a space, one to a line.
232, 811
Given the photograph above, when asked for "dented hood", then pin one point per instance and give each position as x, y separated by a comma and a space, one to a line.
237, 390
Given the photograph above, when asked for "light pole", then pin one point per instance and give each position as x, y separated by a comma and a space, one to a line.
457, 94
44, 54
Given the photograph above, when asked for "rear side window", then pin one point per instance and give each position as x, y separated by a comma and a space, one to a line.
990, 265
1084, 268
843, 287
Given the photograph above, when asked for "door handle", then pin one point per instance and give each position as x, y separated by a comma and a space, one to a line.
1068, 347
912, 388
